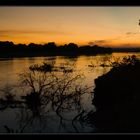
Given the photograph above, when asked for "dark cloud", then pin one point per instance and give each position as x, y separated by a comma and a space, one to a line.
129, 34
103, 41
98, 42
91, 43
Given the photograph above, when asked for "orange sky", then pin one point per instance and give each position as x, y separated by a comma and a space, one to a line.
106, 26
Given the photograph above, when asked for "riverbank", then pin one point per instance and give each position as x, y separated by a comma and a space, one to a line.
117, 99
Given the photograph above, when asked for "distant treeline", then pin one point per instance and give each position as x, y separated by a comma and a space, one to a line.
126, 49
9, 49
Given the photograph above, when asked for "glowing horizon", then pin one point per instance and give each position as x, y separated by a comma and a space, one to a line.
104, 26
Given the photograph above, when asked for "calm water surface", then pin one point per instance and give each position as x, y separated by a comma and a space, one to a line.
9, 75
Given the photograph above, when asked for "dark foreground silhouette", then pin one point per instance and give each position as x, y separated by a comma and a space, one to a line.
117, 98
9, 49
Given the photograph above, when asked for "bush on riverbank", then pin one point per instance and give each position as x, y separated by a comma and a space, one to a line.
117, 98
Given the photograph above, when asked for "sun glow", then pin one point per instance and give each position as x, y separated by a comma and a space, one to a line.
106, 26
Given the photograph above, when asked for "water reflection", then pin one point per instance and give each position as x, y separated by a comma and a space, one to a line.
45, 110
60, 94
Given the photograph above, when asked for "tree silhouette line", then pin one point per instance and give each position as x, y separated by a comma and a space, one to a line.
9, 49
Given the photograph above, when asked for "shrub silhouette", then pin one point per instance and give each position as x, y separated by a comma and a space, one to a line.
117, 98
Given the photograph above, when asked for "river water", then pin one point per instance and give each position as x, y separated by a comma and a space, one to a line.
90, 66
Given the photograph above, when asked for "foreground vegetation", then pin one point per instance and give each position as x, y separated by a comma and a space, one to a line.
117, 98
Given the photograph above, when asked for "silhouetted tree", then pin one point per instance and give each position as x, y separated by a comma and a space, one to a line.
9, 49
117, 98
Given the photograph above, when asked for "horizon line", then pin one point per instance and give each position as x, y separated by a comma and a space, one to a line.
59, 44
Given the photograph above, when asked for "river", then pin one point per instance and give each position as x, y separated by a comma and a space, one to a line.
90, 66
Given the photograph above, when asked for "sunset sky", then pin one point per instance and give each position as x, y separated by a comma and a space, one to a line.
105, 26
